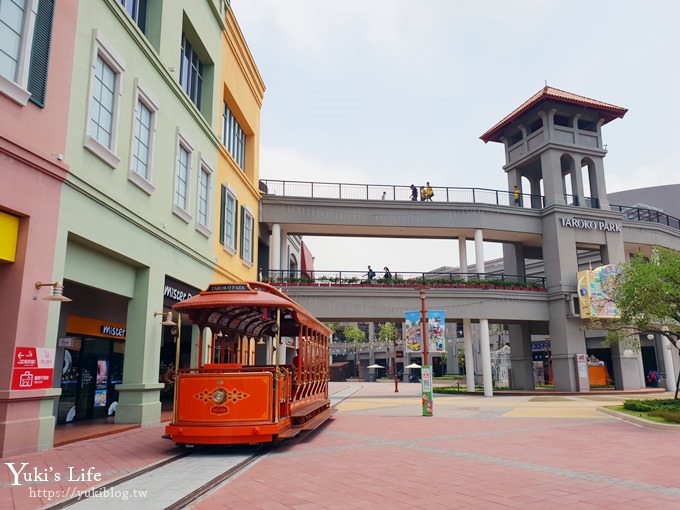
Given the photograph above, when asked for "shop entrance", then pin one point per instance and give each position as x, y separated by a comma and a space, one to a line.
92, 367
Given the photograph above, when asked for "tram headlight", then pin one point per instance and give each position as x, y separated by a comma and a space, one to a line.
219, 396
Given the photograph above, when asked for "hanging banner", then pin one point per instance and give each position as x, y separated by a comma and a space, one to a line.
412, 336
596, 292
436, 331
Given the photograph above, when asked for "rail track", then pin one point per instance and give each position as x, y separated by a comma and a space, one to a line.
178, 481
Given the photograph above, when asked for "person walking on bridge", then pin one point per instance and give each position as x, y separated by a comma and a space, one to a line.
370, 275
428, 193
414, 193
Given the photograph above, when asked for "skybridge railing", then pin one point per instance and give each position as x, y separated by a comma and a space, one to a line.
348, 191
405, 280
339, 190
649, 215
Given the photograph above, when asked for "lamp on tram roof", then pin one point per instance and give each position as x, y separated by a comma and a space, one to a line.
167, 318
57, 291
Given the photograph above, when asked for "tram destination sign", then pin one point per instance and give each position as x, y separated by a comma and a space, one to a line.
582, 224
229, 287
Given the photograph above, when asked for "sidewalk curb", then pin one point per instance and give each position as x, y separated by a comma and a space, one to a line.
639, 421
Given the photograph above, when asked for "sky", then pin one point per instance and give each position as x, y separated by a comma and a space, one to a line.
397, 91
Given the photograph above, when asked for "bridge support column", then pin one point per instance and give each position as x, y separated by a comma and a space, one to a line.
521, 358
486, 357
479, 250
275, 252
284, 255
462, 256
469, 356
668, 363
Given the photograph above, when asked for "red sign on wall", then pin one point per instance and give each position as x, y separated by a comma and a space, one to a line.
33, 368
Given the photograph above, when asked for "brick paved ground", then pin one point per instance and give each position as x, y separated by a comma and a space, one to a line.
379, 452
506, 452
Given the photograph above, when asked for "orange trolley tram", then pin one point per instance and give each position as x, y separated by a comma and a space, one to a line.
262, 371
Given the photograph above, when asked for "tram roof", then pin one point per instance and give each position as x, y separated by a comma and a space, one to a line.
247, 308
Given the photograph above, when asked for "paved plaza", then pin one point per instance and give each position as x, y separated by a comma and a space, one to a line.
532, 451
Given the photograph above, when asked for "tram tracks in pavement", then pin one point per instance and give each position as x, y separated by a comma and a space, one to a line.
171, 484
162, 484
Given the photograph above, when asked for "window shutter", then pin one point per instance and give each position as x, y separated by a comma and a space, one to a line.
223, 205
242, 230
40, 52
252, 239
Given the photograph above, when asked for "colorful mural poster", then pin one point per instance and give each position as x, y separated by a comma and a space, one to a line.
596, 291
436, 331
412, 336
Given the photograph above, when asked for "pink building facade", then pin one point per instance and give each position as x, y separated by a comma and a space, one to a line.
34, 102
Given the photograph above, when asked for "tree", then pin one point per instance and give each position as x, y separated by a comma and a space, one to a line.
388, 333
354, 335
647, 294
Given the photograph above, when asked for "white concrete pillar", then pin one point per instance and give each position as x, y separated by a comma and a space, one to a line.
284, 255
641, 370
469, 356
486, 357
668, 363
479, 250
462, 256
275, 250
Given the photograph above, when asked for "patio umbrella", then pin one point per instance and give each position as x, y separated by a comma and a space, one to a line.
375, 365
412, 365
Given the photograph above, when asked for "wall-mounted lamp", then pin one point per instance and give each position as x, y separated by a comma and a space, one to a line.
167, 318
650, 336
57, 291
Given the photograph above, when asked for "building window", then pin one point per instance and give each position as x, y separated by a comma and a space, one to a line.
143, 140
137, 11
182, 176
25, 36
234, 138
191, 71
228, 208
204, 192
141, 148
247, 230
105, 89
103, 101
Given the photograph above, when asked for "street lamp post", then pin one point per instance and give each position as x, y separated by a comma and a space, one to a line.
423, 326
394, 368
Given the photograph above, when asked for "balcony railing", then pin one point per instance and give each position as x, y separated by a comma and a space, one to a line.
404, 280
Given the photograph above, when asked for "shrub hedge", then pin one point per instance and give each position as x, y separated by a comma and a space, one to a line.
668, 409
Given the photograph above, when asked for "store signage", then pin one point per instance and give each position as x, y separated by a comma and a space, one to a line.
86, 326
175, 291
33, 368
582, 224
176, 294
108, 330
9, 234
229, 287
